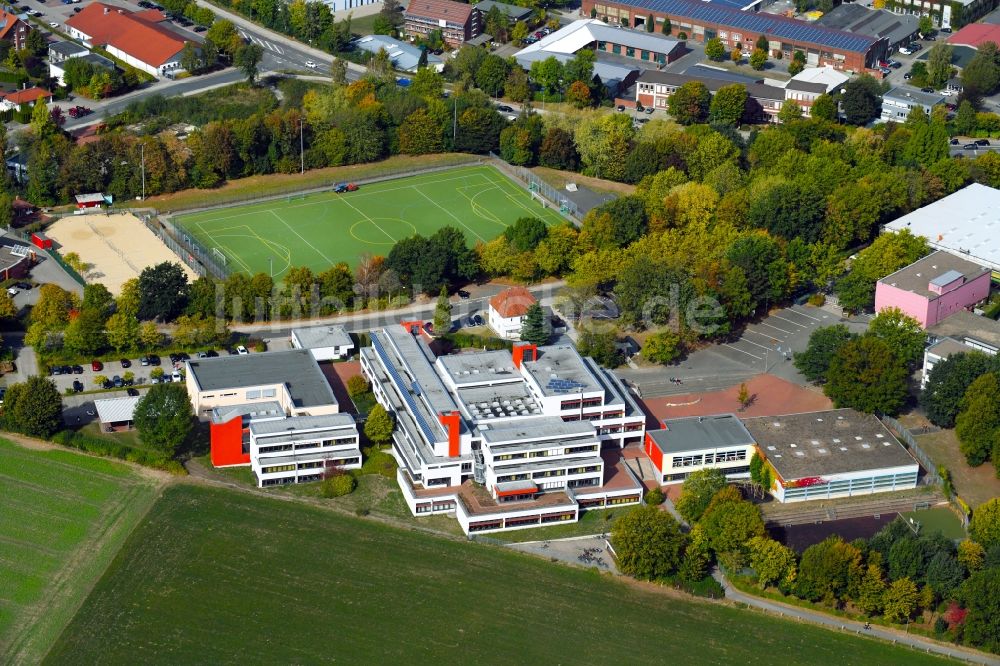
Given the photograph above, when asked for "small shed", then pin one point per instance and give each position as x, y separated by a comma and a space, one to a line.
116, 414
40, 240
89, 200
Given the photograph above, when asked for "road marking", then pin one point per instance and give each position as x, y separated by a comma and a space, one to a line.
759, 358
803, 314
752, 343
793, 323
290, 228
777, 328
769, 338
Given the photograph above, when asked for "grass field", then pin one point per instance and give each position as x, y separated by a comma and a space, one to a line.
940, 519
64, 518
319, 230
218, 576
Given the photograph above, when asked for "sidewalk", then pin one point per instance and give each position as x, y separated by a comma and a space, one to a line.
843, 624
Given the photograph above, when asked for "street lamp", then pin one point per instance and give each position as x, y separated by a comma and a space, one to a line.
302, 154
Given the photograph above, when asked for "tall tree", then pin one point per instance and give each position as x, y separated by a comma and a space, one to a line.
442, 313
533, 327
648, 543
977, 425
948, 382
698, 490
824, 343
981, 597
862, 100
36, 407
939, 68
901, 332
247, 59
866, 374
728, 105
164, 417
690, 103
162, 291
379, 425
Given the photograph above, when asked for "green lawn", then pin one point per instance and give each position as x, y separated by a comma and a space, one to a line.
64, 517
219, 576
319, 230
941, 519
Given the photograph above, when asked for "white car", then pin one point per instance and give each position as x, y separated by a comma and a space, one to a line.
905, 51
310, 64
241, 350
53, 24
177, 377
948, 93
13, 291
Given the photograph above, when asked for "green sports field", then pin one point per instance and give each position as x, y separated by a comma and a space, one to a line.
64, 517
218, 576
319, 230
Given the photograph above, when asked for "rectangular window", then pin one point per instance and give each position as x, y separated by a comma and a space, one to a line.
253, 395
269, 393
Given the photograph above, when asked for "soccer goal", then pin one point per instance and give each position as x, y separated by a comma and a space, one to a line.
217, 253
295, 197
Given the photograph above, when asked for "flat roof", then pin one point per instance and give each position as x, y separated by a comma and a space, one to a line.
965, 223
940, 268
544, 427
68, 48
560, 370
837, 441
295, 368
512, 11
253, 410
701, 432
313, 337
967, 325
116, 410
945, 347
324, 421
827, 76
872, 22
760, 23
480, 367
910, 94
581, 33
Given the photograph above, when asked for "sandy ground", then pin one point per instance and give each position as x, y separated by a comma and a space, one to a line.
117, 246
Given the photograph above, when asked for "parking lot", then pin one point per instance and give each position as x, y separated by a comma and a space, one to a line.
86, 374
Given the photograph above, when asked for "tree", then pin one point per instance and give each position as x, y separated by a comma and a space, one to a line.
762, 43
981, 75
36, 407
164, 417
971, 555
758, 59
690, 103
578, 94
526, 233
223, 34
190, 59
827, 569
149, 336
379, 425
939, 68
824, 107
824, 343
337, 482
714, 49
53, 306
663, 347
558, 150
728, 105
977, 425
928, 144
392, 12
925, 25
357, 386
965, 118
901, 332
247, 58
862, 100
730, 525
580, 67
666, 29
871, 590
162, 291
338, 72
944, 574
420, 133
85, 333
887, 254
790, 110
698, 490
533, 327
427, 83
8, 310
547, 73
948, 382
491, 74
442, 313
899, 600
771, 561
980, 595
797, 64
648, 543
867, 375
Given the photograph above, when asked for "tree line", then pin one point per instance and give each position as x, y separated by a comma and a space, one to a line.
896, 575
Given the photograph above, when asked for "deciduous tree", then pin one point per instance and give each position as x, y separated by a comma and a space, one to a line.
901, 332
164, 417
690, 103
824, 343
162, 291
698, 490
977, 425
771, 561
867, 375
36, 407
663, 347
379, 425
728, 105
899, 600
648, 543
714, 49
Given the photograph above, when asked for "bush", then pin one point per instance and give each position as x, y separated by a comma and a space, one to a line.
817, 300
338, 485
940, 625
655, 497
110, 449
259, 345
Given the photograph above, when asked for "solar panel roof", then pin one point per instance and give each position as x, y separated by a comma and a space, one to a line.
767, 24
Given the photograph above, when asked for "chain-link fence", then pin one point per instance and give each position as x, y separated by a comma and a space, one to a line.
536, 185
911, 443
201, 260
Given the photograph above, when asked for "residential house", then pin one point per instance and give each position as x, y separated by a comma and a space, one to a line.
507, 310
26, 98
14, 29
898, 102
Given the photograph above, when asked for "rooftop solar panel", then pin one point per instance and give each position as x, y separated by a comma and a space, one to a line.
768, 24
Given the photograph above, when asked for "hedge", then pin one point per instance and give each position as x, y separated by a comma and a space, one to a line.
109, 449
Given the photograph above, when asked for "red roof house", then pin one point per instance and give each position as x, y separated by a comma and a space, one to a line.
134, 37
457, 21
975, 34
507, 310
28, 96
13, 29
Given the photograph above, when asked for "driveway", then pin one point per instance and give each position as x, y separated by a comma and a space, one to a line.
80, 410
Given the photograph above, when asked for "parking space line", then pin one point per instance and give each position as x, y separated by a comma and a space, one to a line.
769, 337
751, 343
777, 328
743, 352
803, 314
793, 323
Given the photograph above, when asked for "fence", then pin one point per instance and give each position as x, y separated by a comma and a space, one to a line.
200, 259
52, 252
925, 460
539, 187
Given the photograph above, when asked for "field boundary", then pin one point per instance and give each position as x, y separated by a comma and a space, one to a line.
536, 185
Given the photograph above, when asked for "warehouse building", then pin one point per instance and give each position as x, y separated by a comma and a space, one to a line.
503, 439
835, 453
934, 287
859, 20
702, 21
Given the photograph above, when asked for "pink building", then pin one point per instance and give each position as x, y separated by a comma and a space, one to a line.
934, 287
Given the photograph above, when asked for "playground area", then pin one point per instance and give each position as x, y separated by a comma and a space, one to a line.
321, 229
114, 248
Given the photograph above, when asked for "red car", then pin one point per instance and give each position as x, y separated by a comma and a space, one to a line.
96, 366
351, 187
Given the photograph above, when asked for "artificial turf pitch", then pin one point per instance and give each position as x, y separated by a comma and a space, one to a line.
323, 229
216, 576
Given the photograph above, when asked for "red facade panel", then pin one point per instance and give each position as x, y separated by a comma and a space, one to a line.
227, 443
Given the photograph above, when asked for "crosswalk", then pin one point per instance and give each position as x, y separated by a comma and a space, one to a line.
262, 42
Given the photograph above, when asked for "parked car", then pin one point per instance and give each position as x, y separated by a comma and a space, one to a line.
339, 188
982, 142
905, 51
117, 381
154, 359
505, 109
211, 353
133, 392
144, 361
970, 146
463, 294
927, 90
621, 107
947, 30
200, 28
55, 370
310, 64
930, 38
96, 366
26, 286
202, 354
241, 350
478, 320
177, 376
77, 369
915, 47
77, 386
13, 291
955, 142
907, 76
429, 327
126, 363
649, 110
